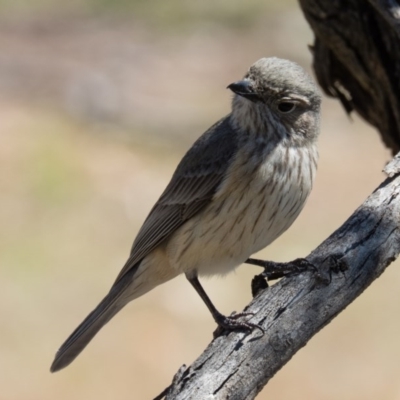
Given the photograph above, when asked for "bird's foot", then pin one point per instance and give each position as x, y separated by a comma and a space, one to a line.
277, 270
273, 270
232, 323
333, 264
291, 268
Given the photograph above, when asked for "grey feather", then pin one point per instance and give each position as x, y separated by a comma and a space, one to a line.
191, 188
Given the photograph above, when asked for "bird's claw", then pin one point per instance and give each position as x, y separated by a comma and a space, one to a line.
278, 270
231, 323
286, 269
258, 284
335, 264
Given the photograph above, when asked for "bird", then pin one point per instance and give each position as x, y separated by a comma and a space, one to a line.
237, 189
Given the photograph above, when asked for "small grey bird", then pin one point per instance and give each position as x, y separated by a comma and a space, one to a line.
239, 187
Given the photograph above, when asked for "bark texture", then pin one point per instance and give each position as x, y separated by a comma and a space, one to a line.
237, 365
357, 58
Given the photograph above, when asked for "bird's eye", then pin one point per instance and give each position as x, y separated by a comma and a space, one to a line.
286, 107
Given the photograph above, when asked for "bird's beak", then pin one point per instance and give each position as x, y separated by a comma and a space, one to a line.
245, 89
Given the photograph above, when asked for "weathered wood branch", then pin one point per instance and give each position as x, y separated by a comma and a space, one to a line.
357, 58
237, 365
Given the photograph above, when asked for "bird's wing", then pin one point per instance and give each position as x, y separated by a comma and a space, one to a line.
191, 188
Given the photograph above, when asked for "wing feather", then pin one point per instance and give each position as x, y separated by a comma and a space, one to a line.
191, 188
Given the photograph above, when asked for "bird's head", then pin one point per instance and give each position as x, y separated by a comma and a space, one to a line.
277, 97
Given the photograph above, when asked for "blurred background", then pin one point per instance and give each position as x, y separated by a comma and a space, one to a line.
99, 100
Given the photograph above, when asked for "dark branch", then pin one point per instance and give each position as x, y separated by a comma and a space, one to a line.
357, 58
238, 365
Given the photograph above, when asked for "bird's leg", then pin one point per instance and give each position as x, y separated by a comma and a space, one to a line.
276, 270
228, 323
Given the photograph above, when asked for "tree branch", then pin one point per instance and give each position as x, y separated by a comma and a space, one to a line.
237, 365
357, 58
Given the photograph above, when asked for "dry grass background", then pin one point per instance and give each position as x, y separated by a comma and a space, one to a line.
95, 114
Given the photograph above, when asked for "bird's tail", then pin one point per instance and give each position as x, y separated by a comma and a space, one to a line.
84, 333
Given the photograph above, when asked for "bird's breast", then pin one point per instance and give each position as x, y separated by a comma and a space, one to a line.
259, 199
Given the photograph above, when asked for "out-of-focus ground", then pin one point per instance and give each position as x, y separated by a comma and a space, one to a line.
97, 107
